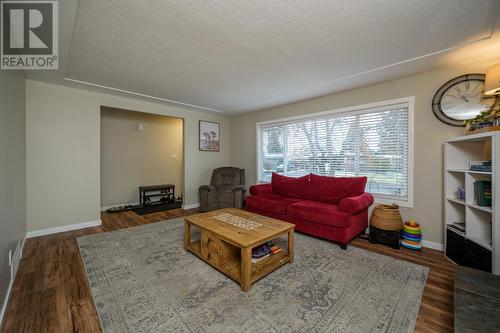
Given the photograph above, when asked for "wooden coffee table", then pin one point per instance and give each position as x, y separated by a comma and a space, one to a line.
227, 238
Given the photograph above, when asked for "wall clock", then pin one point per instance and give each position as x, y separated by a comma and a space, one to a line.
461, 99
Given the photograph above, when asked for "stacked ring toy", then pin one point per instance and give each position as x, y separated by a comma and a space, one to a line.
412, 235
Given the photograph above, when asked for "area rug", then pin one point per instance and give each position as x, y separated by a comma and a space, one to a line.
143, 281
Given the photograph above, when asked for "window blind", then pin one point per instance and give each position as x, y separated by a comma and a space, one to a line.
369, 142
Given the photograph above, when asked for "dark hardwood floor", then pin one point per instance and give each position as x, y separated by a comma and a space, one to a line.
51, 293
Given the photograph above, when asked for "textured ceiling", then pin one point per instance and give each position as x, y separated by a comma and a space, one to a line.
236, 56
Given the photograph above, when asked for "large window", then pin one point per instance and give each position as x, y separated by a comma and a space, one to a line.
371, 140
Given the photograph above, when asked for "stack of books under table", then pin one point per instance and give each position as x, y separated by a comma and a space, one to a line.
263, 251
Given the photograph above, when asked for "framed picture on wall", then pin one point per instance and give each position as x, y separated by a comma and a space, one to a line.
209, 136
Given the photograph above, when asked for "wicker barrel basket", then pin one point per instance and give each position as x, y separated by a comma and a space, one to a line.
387, 217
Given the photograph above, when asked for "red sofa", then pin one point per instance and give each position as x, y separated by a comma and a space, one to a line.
328, 207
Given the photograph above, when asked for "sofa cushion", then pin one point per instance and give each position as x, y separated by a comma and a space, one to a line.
276, 204
333, 189
297, 188
319, 212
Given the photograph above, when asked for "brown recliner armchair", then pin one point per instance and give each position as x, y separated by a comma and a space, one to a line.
226, 189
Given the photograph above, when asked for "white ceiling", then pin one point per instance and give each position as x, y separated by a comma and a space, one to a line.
237, 56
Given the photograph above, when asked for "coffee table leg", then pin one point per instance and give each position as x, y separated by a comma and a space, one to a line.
246, 268
290, 245
187, 234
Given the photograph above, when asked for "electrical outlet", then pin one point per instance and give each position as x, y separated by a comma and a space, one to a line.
173, 156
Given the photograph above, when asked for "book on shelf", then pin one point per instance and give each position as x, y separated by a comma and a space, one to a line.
482, 193
256, 260
276, 251
265, 250
260, 251
483, 166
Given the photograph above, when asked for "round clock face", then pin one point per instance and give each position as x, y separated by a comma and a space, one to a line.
461, 99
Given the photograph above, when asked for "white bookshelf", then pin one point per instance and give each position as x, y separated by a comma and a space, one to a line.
481, 223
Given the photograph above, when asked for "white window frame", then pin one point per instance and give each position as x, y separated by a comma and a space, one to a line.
379, 198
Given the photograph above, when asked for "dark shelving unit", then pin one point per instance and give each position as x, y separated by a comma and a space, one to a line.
156, 195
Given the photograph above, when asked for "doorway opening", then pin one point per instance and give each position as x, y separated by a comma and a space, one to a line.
142, 161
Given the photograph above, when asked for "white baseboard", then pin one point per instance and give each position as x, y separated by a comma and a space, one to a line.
6, 301
18, 255
63, 228
191, 206
16, 259
123, 204
433, 245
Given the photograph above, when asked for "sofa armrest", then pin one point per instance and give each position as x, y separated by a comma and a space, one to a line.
261, 189
353, 205
209, 188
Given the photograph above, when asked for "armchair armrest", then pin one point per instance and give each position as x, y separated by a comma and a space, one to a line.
261, 189
239, 188
208, 188
353, 205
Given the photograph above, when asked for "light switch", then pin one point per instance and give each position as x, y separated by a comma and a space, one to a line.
140, 127
173, 155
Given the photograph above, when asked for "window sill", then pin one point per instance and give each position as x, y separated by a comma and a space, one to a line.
389, 201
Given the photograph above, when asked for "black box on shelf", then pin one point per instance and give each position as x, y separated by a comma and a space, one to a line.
476, 256
465, 252
455, 242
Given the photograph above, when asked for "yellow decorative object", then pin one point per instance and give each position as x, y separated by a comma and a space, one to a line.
412, 228
412, 223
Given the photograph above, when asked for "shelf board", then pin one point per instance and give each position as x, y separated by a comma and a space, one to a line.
462, 233
480, 137
455, 200
480, 172
469, 171
264, 267
483, 208
456, 170
481, 242
159, 195
232, 267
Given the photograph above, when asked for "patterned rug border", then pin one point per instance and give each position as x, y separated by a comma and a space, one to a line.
91, 278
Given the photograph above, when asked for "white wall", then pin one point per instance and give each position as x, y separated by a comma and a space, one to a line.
132, 158
429, 135
63, 145
63, 151
12, 171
